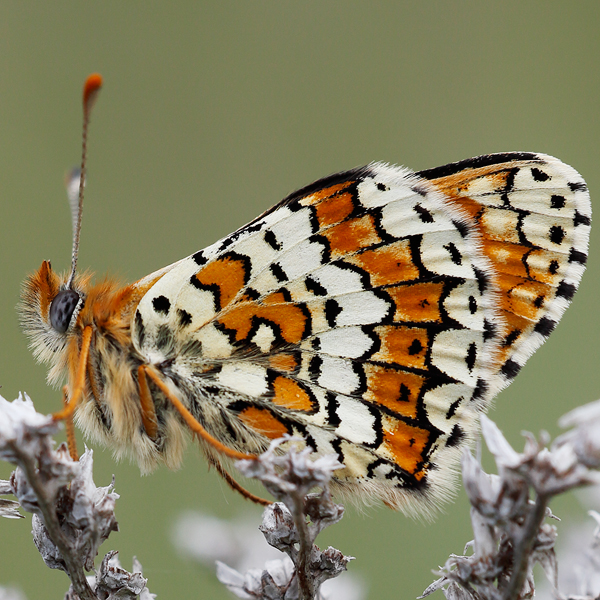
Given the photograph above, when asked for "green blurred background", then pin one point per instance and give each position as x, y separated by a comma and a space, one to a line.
211, 112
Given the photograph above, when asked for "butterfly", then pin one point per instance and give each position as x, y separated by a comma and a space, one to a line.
372, 315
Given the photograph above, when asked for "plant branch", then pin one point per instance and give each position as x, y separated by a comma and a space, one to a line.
73, 564
71, 516
523, 549
305, 547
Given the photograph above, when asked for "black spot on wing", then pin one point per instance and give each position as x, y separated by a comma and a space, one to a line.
566, 290
539, 175
404, 395
456, 437
161, 304
185, 318
199, 258
313, 286
489, 330
581, 219
278, 273
545, 326
462, 228
471, 356
331, 406
483, 280
511, 338
332, 310
472, 305
415, 347
557, 234
140, 328
577, 256
510, 369
314, 367
481, 389
251, 293
578, 186
423, 213
453, 251
271, 239
557, 201
452, 410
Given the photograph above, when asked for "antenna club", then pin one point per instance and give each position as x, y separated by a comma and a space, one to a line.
90, 90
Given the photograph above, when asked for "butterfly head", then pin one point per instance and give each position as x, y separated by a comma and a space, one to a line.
48, 312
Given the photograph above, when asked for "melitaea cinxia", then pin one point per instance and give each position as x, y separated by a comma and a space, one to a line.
373, 314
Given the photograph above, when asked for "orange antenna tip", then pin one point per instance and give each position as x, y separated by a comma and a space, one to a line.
90, 90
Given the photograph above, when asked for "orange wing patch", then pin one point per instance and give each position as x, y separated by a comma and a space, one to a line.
407, 445
334, 209
290, 394
511, 257
352, 235
474, 181
325, 193
388, 264
283, 362
397, 390
228, 274
405, 346
418, 303
290, 320
263, 421
523, 297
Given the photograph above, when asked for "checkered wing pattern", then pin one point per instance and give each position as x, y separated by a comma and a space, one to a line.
374, 314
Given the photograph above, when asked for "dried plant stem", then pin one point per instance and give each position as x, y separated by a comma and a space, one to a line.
73, 566
524, 547
305, 546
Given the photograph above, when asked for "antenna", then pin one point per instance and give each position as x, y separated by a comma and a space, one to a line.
90, 92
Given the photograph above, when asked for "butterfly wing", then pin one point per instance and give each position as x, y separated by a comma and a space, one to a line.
365, 314
533, 214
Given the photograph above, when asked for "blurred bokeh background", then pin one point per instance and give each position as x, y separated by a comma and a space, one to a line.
211, 112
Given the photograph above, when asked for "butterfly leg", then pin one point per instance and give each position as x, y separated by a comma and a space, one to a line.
191, 422
234, 485
70, 428
78, 387
148, 412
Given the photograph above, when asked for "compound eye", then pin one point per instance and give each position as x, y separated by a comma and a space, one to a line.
62, 308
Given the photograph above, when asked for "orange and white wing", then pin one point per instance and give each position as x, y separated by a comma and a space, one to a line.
374, 314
